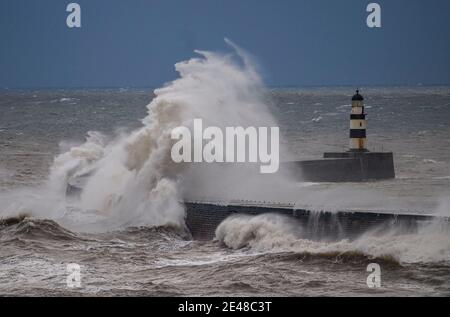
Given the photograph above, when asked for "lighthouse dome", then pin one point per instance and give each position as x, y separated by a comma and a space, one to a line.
357, 96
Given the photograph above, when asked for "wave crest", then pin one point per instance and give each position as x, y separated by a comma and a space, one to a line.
273, 233
23, 227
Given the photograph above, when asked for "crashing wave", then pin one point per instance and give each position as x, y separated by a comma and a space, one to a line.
273, 233
131, 180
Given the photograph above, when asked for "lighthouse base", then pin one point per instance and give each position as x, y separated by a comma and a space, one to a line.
352, 166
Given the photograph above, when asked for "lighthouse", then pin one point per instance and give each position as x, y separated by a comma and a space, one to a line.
358, 124
355, 165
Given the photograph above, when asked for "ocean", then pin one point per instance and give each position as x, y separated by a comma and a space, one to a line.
127, 231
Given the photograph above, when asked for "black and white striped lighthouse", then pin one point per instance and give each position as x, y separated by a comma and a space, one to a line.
358, 124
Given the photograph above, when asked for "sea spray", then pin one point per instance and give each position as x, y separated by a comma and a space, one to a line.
131, 180
273, 233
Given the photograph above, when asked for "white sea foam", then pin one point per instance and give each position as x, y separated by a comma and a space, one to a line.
273, 233
131, 180
66, 99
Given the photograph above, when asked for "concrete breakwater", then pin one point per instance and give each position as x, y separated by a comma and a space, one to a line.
345, 167
203, 218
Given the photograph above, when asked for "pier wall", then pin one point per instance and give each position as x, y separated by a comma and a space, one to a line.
345, 167
202, 219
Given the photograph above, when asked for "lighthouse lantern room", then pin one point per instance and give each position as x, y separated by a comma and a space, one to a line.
358, 124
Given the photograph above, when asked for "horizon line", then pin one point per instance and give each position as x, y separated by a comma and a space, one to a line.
266, 86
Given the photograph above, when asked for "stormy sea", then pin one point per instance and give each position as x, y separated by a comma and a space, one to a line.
126, 230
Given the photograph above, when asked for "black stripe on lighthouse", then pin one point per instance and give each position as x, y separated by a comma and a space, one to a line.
357, 117
357, 133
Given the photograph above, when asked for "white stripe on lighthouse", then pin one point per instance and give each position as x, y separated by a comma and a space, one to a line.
358, 124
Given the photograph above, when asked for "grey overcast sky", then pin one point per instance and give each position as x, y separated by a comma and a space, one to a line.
135, 43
